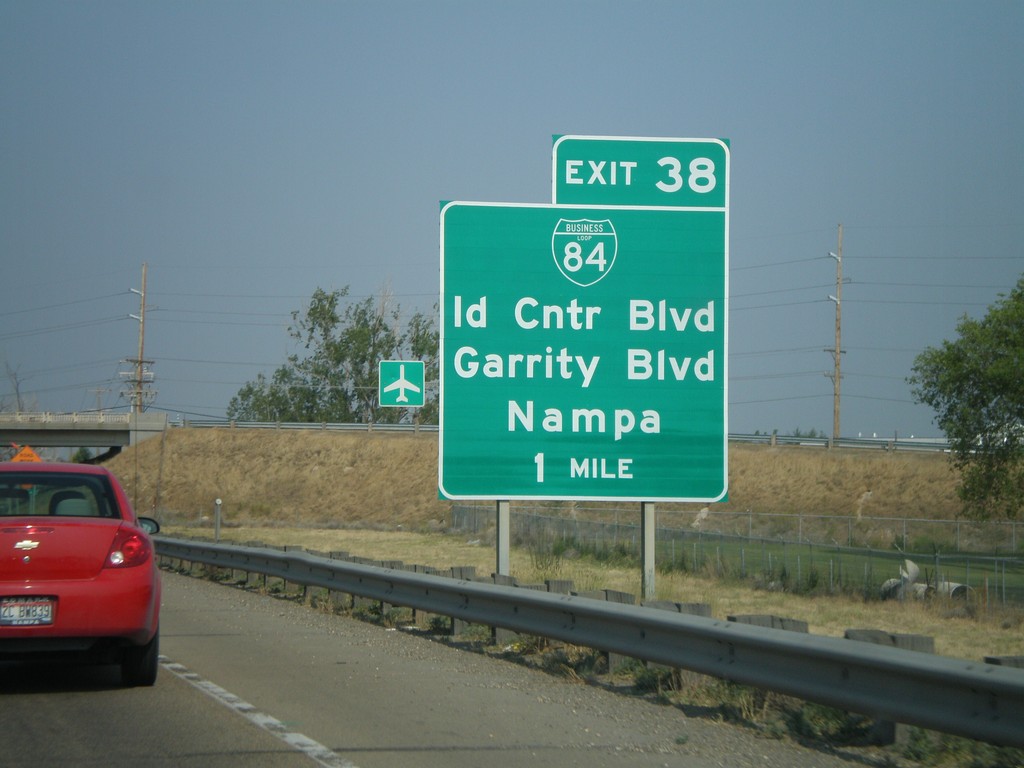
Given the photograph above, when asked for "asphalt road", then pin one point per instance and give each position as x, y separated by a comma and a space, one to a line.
250, 680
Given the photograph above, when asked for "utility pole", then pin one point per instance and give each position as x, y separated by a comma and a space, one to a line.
837, 351
138, 395
99, 391
142, 342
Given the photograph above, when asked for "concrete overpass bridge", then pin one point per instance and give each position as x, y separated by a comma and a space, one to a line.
112, 431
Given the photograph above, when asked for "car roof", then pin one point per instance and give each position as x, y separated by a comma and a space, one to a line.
50, 467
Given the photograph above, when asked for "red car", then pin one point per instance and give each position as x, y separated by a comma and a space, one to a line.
78, 575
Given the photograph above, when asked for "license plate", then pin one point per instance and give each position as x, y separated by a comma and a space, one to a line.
26, 611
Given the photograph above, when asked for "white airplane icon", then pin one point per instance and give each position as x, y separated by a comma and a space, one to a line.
402, 385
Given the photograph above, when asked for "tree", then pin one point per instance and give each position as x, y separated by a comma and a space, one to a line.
12, 375
975, 384
283, 398
337, 380
81, 456
424, 341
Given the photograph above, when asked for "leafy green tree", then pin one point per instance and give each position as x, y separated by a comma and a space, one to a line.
81, 456
424, 343
322, 390
282, 398
336, 380
975, 384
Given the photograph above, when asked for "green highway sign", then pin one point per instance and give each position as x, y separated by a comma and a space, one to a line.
583, 352
400, 383
609, 170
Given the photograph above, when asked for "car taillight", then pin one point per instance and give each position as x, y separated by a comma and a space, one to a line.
130, 548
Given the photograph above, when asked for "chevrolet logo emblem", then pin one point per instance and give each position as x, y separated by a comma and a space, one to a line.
27, 544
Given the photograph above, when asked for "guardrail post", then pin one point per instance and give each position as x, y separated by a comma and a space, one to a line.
359, 601
768, 620
559, 586
692, 609
396, 565
255, 578
886, 732
419, 616
466, 573
615, 660
339, 600
303, 589
1006, 661
500, 634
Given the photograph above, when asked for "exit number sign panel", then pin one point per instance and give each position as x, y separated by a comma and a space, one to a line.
583, 353
606, 170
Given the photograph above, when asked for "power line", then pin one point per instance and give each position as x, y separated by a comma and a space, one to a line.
760, 352
163, 311
777, 306
940, 258
930, 285
765, 376
60, 306
221, 322
216, 362
776, 264
947, 302
57, 328
780, 290
778, 399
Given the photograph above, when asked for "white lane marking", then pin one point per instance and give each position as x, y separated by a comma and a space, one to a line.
312, 749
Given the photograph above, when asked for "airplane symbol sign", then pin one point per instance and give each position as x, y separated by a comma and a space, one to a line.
400, 383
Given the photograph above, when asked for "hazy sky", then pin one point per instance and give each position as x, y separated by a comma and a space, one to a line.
251, 152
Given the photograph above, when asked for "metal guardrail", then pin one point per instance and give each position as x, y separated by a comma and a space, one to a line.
88, 417
973, 699
883, 443
323, 426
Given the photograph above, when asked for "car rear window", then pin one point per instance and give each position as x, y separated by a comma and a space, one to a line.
59, 495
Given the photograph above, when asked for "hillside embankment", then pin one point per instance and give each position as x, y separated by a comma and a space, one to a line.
389, 480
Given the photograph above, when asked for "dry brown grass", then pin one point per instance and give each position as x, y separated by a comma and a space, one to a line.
841, 482
288, 477
348, 479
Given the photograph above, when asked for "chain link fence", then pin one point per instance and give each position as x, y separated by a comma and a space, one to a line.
798, 553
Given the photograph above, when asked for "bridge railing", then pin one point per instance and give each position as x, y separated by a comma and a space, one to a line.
49, 417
